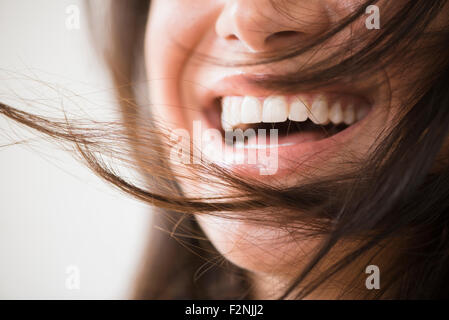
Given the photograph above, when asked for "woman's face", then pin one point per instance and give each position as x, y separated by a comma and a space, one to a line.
318, 131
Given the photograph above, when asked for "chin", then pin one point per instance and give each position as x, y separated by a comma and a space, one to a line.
256, 248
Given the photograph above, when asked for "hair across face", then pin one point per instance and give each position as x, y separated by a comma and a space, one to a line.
364, 185
244, 51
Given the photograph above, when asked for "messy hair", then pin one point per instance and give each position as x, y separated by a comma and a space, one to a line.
397, 192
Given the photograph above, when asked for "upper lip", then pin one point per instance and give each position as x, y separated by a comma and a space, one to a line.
241, 85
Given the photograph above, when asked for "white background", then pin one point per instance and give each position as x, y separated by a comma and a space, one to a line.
54, 213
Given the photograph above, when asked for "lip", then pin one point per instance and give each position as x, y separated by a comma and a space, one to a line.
291, 153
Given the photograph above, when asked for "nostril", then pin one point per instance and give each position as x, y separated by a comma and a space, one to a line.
284, 34
283, 38
231, 37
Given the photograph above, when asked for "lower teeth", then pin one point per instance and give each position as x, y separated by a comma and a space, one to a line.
289, 128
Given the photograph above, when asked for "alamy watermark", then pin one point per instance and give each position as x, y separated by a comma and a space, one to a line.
249, 147
73, 278
373, 20
373, 280
72, 21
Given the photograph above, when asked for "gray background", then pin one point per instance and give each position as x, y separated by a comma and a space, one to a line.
53, 212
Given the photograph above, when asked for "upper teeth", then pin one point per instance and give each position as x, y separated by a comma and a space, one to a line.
237, 110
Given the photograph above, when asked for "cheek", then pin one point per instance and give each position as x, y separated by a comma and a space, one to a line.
163, 64
173, 31
258, 249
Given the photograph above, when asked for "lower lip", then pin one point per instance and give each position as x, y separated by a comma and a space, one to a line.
292, 151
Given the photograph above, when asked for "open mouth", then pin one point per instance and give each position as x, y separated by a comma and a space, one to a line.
298, 118
311, 127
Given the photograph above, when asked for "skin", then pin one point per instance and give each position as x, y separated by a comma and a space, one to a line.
238, 29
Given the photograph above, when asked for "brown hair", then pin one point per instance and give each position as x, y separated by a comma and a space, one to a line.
392, 194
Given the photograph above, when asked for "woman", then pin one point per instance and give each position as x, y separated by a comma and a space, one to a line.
293, 147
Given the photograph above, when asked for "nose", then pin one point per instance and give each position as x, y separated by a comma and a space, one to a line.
268, 25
